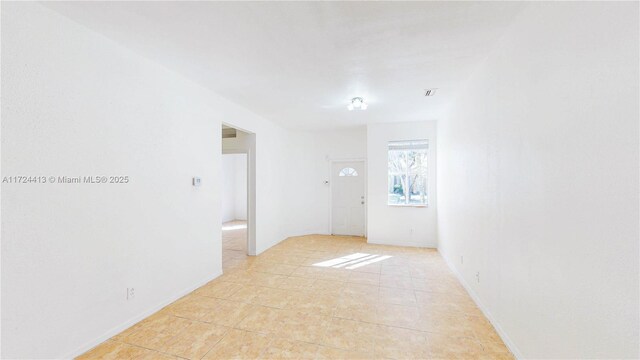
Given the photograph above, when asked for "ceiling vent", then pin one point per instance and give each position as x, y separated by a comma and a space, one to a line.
430, 92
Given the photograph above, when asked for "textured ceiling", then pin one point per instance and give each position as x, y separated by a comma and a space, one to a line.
299, 63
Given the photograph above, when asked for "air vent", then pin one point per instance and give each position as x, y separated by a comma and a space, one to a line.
430, 92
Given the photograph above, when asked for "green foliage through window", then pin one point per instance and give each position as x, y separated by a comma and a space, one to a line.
408, 172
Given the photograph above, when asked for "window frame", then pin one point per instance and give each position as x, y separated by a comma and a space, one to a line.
426, 176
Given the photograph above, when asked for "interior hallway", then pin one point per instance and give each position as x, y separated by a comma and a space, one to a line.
234, 243
318, 297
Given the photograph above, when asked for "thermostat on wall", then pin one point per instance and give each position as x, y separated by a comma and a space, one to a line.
197, 181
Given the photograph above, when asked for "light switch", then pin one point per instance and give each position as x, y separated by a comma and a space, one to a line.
197, 181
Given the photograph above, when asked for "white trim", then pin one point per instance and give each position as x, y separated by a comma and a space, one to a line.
402, 243
366, 197
237, 127
136, 319
252, 185
430, 158
505, 338
409, 205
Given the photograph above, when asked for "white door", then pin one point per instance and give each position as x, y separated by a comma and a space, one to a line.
347, 198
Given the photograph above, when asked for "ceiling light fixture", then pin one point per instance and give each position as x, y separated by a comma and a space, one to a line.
357, 103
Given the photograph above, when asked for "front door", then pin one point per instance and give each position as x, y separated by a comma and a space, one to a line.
347, 198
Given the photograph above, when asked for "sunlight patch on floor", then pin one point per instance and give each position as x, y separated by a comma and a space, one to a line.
352, 261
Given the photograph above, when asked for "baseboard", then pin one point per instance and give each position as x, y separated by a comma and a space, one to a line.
118, 329
408, 244
505, 338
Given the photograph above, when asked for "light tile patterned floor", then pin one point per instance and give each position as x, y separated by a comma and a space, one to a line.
319, 297
234, 243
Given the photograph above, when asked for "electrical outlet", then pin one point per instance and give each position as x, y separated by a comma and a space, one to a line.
131, 293
461, 259
478, 276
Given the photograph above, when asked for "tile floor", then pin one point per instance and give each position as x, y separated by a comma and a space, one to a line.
318, 297
234, 243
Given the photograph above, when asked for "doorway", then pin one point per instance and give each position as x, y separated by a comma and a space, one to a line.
234, 209
348, 203
237, 201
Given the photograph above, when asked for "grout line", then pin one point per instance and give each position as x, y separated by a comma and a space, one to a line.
267, 261
505, 338
90, 345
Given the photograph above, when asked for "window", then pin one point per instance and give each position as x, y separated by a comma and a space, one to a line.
348, 172
408, 172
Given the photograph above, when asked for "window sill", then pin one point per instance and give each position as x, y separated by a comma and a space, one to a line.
409, 205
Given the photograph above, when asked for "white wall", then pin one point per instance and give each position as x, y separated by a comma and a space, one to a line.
75, 103
399, 225
538, 182
308, 165
234, 187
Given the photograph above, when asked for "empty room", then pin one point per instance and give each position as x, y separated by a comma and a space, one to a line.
320, 180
